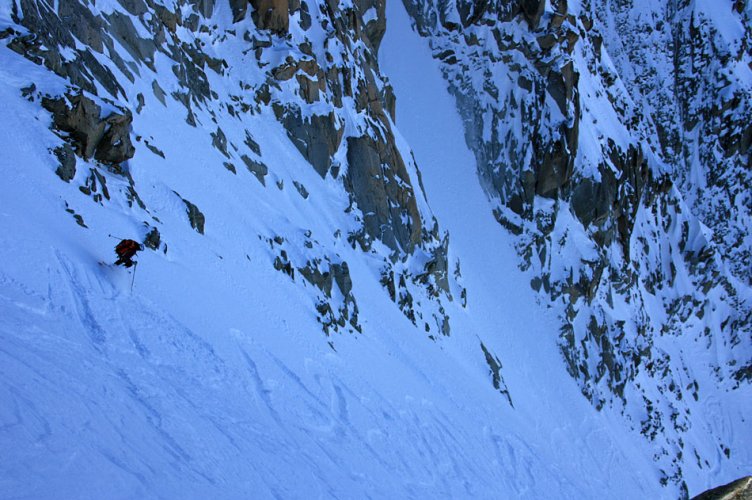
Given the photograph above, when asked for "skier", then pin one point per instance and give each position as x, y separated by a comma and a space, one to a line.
126, 250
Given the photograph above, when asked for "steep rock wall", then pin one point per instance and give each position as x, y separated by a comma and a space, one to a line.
608, 175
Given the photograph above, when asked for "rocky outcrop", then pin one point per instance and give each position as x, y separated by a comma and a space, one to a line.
108, 140
374, 21
497, 379
66, 156
741, 489
317, 137
376, 177
153, 239
701, 114
407, 284
258, 169
116, 146
336, 306
195, 216
333, 316
374, 188
271, 15
81, 121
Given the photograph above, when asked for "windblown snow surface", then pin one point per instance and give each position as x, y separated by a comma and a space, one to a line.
211, 377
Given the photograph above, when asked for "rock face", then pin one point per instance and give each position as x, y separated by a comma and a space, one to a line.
374, 186
741, 489
108, 140
375, 173
271, 15
81, 121
317, 138
702, 127
571, 146
116, 146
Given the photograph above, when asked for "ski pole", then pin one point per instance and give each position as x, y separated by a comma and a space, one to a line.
115, 237
133, 279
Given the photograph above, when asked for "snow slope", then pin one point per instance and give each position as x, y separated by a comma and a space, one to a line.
211, 377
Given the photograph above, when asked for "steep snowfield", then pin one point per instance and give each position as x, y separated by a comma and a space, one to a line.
212, 377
